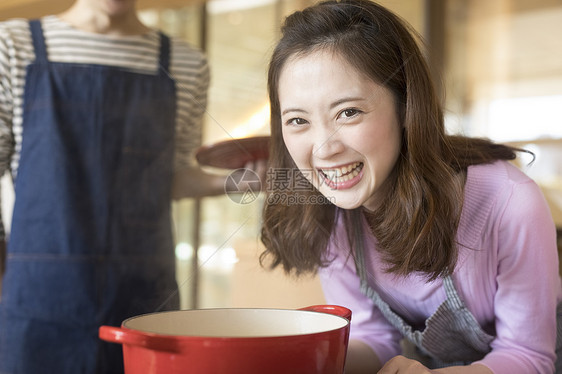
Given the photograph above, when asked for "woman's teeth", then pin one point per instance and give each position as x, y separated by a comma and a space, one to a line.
343, 173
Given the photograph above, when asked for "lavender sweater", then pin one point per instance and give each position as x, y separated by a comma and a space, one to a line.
508, 278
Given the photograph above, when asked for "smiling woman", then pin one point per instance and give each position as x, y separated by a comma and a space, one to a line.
355, 115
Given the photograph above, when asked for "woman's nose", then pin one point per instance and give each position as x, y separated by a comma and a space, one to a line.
327, 144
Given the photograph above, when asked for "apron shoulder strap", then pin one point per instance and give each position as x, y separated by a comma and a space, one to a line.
38, 40
453, 299
358, 245
164, 52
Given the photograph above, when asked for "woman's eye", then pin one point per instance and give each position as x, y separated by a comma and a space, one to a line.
296, 122
348, 113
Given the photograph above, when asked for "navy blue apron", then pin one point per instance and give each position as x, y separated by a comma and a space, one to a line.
91, 241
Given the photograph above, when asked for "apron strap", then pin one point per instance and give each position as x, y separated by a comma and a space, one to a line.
415, 336
164, 62
453, 299
358, 246
38, 41
359, 256
41, 49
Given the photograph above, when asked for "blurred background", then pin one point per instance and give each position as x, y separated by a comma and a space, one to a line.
497, 64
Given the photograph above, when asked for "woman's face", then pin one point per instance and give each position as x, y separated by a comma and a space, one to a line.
340, 127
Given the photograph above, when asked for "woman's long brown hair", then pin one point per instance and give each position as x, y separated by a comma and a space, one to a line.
416, 224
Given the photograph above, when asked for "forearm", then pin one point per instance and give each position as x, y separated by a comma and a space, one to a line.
401, 364
361, 359
193, 182
469, 369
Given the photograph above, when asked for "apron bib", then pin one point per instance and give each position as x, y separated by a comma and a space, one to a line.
91, 241
452, 335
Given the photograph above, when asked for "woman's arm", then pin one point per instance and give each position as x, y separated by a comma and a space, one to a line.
469, 369
361, 359
403, 365
194, 182
528, 284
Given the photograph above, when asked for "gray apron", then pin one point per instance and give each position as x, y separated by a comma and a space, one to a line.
452, 335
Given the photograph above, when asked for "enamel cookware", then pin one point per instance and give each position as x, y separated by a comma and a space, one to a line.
250, 341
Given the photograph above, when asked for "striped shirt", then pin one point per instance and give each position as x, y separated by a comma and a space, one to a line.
140, 53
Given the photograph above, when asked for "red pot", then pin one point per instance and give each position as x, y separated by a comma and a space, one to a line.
249, 341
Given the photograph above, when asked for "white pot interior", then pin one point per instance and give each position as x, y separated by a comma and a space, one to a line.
236, 322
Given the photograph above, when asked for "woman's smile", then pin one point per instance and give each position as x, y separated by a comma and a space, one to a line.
340, 178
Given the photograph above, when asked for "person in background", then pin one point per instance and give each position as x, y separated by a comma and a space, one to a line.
434, 241
99, 116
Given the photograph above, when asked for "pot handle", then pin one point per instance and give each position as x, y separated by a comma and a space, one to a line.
330, 309
121, 335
